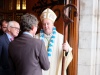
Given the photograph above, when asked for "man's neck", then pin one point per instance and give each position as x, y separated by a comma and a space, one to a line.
29, 33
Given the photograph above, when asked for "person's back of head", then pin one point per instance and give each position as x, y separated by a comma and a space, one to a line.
28, 22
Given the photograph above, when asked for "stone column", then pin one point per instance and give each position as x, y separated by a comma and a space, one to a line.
98, 42
89, 38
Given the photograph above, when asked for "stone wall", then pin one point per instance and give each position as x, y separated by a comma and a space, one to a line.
89, 38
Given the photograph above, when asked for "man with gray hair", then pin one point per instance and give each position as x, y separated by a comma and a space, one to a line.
28, 54
12, 31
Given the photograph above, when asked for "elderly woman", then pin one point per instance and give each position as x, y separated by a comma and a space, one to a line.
54, 43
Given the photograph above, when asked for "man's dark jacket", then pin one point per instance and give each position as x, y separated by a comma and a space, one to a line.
28, 55
4, 63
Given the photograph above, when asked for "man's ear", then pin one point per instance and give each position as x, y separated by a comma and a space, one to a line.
32, 28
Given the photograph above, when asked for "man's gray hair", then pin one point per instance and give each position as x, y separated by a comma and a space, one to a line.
28, 21
11, 23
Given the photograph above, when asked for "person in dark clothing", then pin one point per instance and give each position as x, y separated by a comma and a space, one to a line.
3, 24
12, 31
27, 54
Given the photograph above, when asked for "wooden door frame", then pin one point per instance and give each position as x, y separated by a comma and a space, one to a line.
73, 32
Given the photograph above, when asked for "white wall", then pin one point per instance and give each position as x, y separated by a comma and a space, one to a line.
98, 42
89, 38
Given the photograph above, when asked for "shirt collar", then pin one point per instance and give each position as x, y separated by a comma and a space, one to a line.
9, 36
28, 33
47, 36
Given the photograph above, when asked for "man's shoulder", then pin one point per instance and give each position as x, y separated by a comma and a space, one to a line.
3, 36
28, 39
59, 34
37, 40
